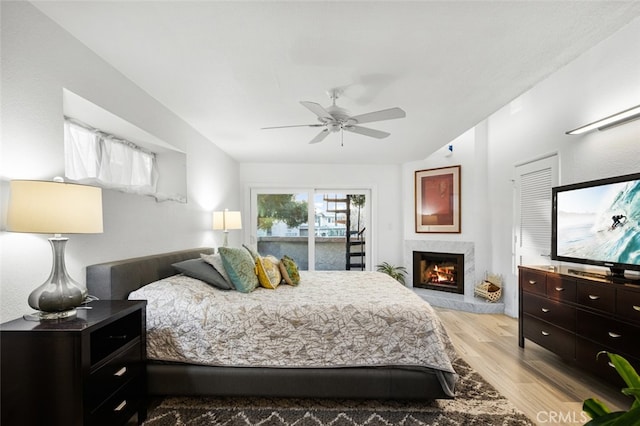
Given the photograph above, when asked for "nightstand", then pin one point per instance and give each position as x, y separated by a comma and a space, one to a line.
87, 370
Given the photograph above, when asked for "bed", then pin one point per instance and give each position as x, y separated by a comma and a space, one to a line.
335, 362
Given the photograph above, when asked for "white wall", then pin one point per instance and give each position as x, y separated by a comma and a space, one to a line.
383, 180
39, 59
470, 152
601, 82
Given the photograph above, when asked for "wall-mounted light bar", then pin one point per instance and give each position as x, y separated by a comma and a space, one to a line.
608, 122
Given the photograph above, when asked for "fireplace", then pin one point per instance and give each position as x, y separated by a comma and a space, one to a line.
438, 271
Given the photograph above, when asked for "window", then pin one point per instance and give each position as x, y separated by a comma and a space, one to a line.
93, 156
321, 229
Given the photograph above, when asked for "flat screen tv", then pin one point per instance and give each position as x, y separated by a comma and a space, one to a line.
598, 223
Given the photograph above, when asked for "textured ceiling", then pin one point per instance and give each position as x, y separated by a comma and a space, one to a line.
230, 68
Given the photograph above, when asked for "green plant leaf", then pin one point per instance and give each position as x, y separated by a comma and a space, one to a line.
631, 392
595, 408
618, 418
626, 371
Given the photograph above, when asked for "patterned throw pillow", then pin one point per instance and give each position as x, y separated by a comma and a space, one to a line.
289, 271
240, 267
269, 274
252, 252
216, 261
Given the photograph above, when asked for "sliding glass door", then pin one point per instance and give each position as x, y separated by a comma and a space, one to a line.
321, 229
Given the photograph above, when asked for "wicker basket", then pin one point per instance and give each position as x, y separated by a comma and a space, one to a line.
489, 291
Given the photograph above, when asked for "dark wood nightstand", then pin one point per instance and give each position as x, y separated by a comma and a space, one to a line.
88, 370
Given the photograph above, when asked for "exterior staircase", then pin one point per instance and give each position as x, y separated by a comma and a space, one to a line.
355, 242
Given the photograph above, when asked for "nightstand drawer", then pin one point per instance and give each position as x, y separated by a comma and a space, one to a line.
113, 336
553, 338
113, 375
548, 310
120, 407
617, 335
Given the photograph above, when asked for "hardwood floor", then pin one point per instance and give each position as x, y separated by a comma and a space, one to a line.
548, 390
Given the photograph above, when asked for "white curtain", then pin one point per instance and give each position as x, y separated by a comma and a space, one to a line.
92, 156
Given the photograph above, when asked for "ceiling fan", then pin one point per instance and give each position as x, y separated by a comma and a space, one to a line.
336, 119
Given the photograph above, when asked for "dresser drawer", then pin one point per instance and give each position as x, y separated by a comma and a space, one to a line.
621, 337
628, 304
561, 288
551, 311
114, 374
548, 336
594, 296
120, 407
533, 281
587, 357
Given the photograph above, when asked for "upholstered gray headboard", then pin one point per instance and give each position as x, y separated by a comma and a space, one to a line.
115, 280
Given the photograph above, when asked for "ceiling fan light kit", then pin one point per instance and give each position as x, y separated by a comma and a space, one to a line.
337, 119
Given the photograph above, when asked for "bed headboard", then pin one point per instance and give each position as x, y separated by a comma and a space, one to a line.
115, 280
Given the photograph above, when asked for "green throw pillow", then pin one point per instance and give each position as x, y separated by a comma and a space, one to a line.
240, 267
289, 271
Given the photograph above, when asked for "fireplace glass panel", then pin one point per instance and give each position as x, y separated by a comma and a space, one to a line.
439, 271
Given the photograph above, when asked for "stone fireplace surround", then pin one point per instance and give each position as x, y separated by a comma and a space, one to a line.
463, 302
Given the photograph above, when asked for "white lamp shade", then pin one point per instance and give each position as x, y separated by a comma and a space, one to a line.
54, 208
226, 220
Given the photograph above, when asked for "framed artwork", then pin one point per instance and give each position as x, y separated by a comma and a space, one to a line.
437, 200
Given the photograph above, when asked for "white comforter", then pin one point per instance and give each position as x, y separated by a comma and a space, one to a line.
331, 319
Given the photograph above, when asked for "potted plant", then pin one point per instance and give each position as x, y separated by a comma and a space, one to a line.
395, 272
601, 414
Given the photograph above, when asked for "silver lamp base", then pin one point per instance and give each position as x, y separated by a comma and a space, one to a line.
58, 297
41, 315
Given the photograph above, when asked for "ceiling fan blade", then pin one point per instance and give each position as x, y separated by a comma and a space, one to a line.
318, 110
295, 125
320, 136
367, 131
385, 114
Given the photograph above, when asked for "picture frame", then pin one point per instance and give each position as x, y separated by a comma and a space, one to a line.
437, 200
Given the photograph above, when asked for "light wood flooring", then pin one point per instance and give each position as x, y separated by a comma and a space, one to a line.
548, 390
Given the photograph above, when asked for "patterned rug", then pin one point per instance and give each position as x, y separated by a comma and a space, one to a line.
476, 403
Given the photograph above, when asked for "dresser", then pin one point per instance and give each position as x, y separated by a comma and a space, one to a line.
577, 314
87, 370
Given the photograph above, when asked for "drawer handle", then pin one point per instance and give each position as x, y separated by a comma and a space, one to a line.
532, 282
121, 406
118, 337
559, 288
545, 310
545, 333
614, 335
120, 372
636, 307
594, 297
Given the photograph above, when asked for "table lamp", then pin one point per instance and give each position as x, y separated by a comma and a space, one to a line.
227, 220
56, 207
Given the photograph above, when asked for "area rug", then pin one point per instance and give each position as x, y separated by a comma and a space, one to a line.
476, 403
